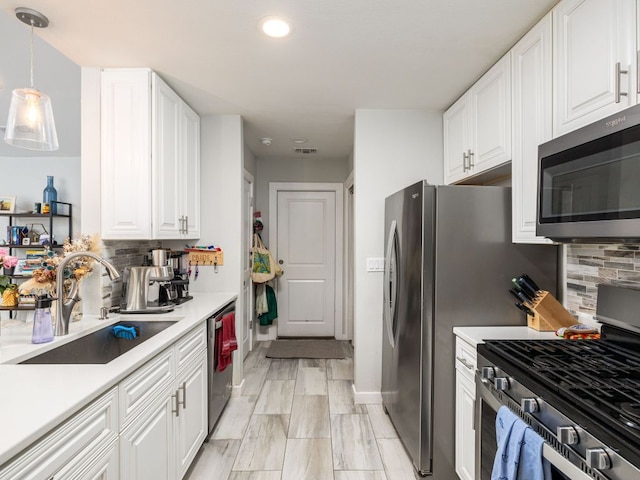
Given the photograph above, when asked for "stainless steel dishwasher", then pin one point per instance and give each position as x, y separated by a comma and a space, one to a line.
219, 382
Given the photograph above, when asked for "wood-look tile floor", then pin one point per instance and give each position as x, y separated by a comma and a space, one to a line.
296, 420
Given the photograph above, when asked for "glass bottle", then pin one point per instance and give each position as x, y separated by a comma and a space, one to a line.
42, 321
50, 195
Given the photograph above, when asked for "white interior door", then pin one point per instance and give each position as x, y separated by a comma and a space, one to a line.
306, 250
247, 286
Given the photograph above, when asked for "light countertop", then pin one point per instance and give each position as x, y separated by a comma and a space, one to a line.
476, 335
37, 398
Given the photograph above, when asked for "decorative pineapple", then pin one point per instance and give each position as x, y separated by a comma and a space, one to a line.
10, 295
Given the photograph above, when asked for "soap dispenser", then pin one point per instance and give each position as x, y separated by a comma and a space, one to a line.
42, 322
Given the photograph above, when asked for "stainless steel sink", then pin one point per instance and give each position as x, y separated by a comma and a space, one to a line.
101, 346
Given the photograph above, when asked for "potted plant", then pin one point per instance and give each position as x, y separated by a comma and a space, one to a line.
8, 290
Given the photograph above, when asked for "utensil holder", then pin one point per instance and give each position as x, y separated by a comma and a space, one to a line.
550, 315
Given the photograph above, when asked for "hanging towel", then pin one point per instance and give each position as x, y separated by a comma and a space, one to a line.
227, 342
509, 434
272, 312
261, 299
532, 465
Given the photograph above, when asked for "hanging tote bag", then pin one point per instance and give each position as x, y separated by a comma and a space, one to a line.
264, 267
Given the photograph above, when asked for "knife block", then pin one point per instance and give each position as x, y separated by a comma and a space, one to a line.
550, 315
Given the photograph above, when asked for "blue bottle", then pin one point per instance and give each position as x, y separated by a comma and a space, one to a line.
50, 195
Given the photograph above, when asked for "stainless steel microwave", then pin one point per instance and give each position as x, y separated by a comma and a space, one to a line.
589, 182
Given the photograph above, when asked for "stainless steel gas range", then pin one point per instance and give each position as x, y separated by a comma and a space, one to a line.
581, 396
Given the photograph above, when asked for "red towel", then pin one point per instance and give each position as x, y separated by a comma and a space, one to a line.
226, 340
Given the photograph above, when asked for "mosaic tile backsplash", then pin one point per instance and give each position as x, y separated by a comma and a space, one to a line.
122, 254
589, 265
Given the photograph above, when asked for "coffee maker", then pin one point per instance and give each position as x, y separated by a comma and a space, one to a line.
144, 286
177, 289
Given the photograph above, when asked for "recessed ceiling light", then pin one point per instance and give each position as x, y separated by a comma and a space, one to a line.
275, 27
300, 140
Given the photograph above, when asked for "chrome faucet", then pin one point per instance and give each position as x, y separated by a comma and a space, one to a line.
64, 307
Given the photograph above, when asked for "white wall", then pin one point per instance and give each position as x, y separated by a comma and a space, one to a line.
392, 149
249, 161
26, 177
221, 175
302, 170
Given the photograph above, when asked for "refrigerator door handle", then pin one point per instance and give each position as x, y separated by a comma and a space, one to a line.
389, 303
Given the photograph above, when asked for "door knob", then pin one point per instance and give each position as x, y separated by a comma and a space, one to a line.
280, 261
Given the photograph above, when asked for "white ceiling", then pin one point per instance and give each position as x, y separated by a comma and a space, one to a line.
342, 55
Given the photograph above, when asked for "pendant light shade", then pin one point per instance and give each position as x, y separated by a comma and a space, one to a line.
30, 123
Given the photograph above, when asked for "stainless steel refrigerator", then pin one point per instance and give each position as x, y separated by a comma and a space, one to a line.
449, 261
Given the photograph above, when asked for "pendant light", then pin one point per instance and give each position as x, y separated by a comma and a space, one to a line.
30, 124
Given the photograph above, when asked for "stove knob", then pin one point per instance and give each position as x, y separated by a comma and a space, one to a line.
529, 405
501, 383
567, 435
598, 458
487, 373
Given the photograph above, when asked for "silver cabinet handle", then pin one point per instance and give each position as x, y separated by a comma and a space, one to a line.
470, 156
464, 162
177, 409
638, 72
186, 224
184, 394
464, 362
619, 72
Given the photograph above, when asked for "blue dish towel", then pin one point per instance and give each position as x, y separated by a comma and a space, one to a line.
532, 465
509, 434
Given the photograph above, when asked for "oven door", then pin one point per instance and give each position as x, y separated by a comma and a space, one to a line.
487, 405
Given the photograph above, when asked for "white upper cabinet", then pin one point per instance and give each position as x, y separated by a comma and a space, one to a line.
150, 159
457, 139
477, 128
594, 66
531, 120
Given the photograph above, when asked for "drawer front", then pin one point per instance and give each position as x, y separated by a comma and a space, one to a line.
466, 358
191, 345
142, 386
92, 426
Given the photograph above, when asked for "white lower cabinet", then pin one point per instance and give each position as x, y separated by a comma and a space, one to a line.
146, 445
163, 438
101, 464
75, 448
465, 410
192, 422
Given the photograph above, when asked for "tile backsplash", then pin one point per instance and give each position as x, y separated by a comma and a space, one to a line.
591, 264
122, 254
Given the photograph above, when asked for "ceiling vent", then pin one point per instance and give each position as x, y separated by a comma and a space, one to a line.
306, 151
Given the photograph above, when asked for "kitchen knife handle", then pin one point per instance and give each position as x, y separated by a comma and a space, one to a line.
533, 284
520, 296
527, 289
525, 309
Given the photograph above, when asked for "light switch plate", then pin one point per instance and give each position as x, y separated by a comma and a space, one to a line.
375, 264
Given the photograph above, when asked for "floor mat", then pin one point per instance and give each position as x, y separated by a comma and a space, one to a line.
307, 349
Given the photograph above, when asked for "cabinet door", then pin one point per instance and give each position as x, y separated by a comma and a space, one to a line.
126, 154
146, 446
167, 158
532, 116
491, 117
589, 38
192, 423
456, 139
464, 429
191, 171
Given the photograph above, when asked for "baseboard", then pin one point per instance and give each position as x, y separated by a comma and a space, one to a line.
236, 390
361, 398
